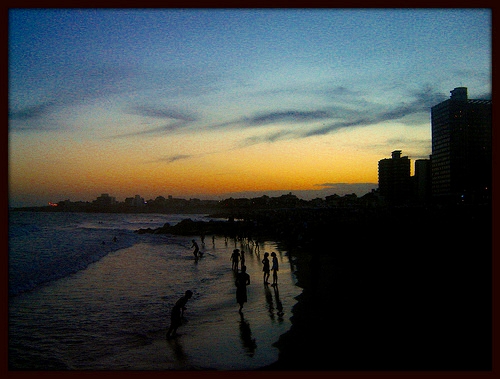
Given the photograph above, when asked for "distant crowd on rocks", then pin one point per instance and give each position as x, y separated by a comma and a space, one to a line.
309, 227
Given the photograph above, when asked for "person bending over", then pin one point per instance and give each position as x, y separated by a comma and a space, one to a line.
178, 313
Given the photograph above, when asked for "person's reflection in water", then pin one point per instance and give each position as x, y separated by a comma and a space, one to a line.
279, 305
248, 342
178, 351
269, 301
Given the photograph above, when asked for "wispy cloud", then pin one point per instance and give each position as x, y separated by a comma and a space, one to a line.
79, 84
340, 185
174, 158
295, 116
349, 112
33, 118
32, 112
422, 101
159, 130
160, 112
182, 120
270, 137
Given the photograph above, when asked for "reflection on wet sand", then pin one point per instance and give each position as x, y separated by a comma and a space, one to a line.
247, 341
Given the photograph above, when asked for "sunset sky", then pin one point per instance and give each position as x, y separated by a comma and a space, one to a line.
228, 102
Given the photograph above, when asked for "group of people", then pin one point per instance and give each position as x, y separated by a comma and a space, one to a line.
238, 257
242, 281
267, 270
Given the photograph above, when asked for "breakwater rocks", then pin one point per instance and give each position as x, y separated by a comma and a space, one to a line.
356, 233
296, 227
381, 247
188, 227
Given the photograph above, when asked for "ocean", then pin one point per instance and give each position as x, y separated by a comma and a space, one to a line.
87, 293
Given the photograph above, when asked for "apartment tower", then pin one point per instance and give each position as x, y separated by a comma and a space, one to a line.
394, 178
461, 161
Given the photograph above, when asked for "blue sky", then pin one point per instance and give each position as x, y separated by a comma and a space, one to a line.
180, 97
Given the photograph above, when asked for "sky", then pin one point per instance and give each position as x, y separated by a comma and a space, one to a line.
213, 103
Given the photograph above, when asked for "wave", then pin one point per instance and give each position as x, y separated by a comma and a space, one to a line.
47, 246
42, 261
44, 247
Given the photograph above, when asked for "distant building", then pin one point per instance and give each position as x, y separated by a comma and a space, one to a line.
461, 160
104, 200
394, 178
136, 201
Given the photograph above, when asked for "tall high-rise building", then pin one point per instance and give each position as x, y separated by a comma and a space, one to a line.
461, 160
394, 178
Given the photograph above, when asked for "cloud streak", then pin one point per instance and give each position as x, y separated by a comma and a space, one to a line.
346, 117
295, 116
164, 129
174, 158
78, 84
29, 113
160, 112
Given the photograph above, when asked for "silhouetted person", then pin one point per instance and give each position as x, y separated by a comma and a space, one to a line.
242, 258
115, 239
274, 269
266, 268
178, 313
242, 281
196, 249
257, 248
235, 257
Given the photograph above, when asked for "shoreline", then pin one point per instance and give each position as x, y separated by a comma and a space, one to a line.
132, 332
402, 289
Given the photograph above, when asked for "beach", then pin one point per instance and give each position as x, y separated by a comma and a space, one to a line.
114, 314
403, 290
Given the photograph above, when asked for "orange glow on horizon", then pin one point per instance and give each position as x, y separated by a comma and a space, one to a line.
86, 169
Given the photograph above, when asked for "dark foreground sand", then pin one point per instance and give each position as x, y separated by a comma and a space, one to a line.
400, 291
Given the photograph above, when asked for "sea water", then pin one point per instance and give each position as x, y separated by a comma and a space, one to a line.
81, 299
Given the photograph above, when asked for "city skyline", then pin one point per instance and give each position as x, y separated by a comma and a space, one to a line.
338, 189
214, 103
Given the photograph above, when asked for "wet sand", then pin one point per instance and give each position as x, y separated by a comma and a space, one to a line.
114, 315
214, 335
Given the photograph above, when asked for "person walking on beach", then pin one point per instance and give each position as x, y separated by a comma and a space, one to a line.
178, 313
235, 257
196, 249
242, 281
274, 269
266, 268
